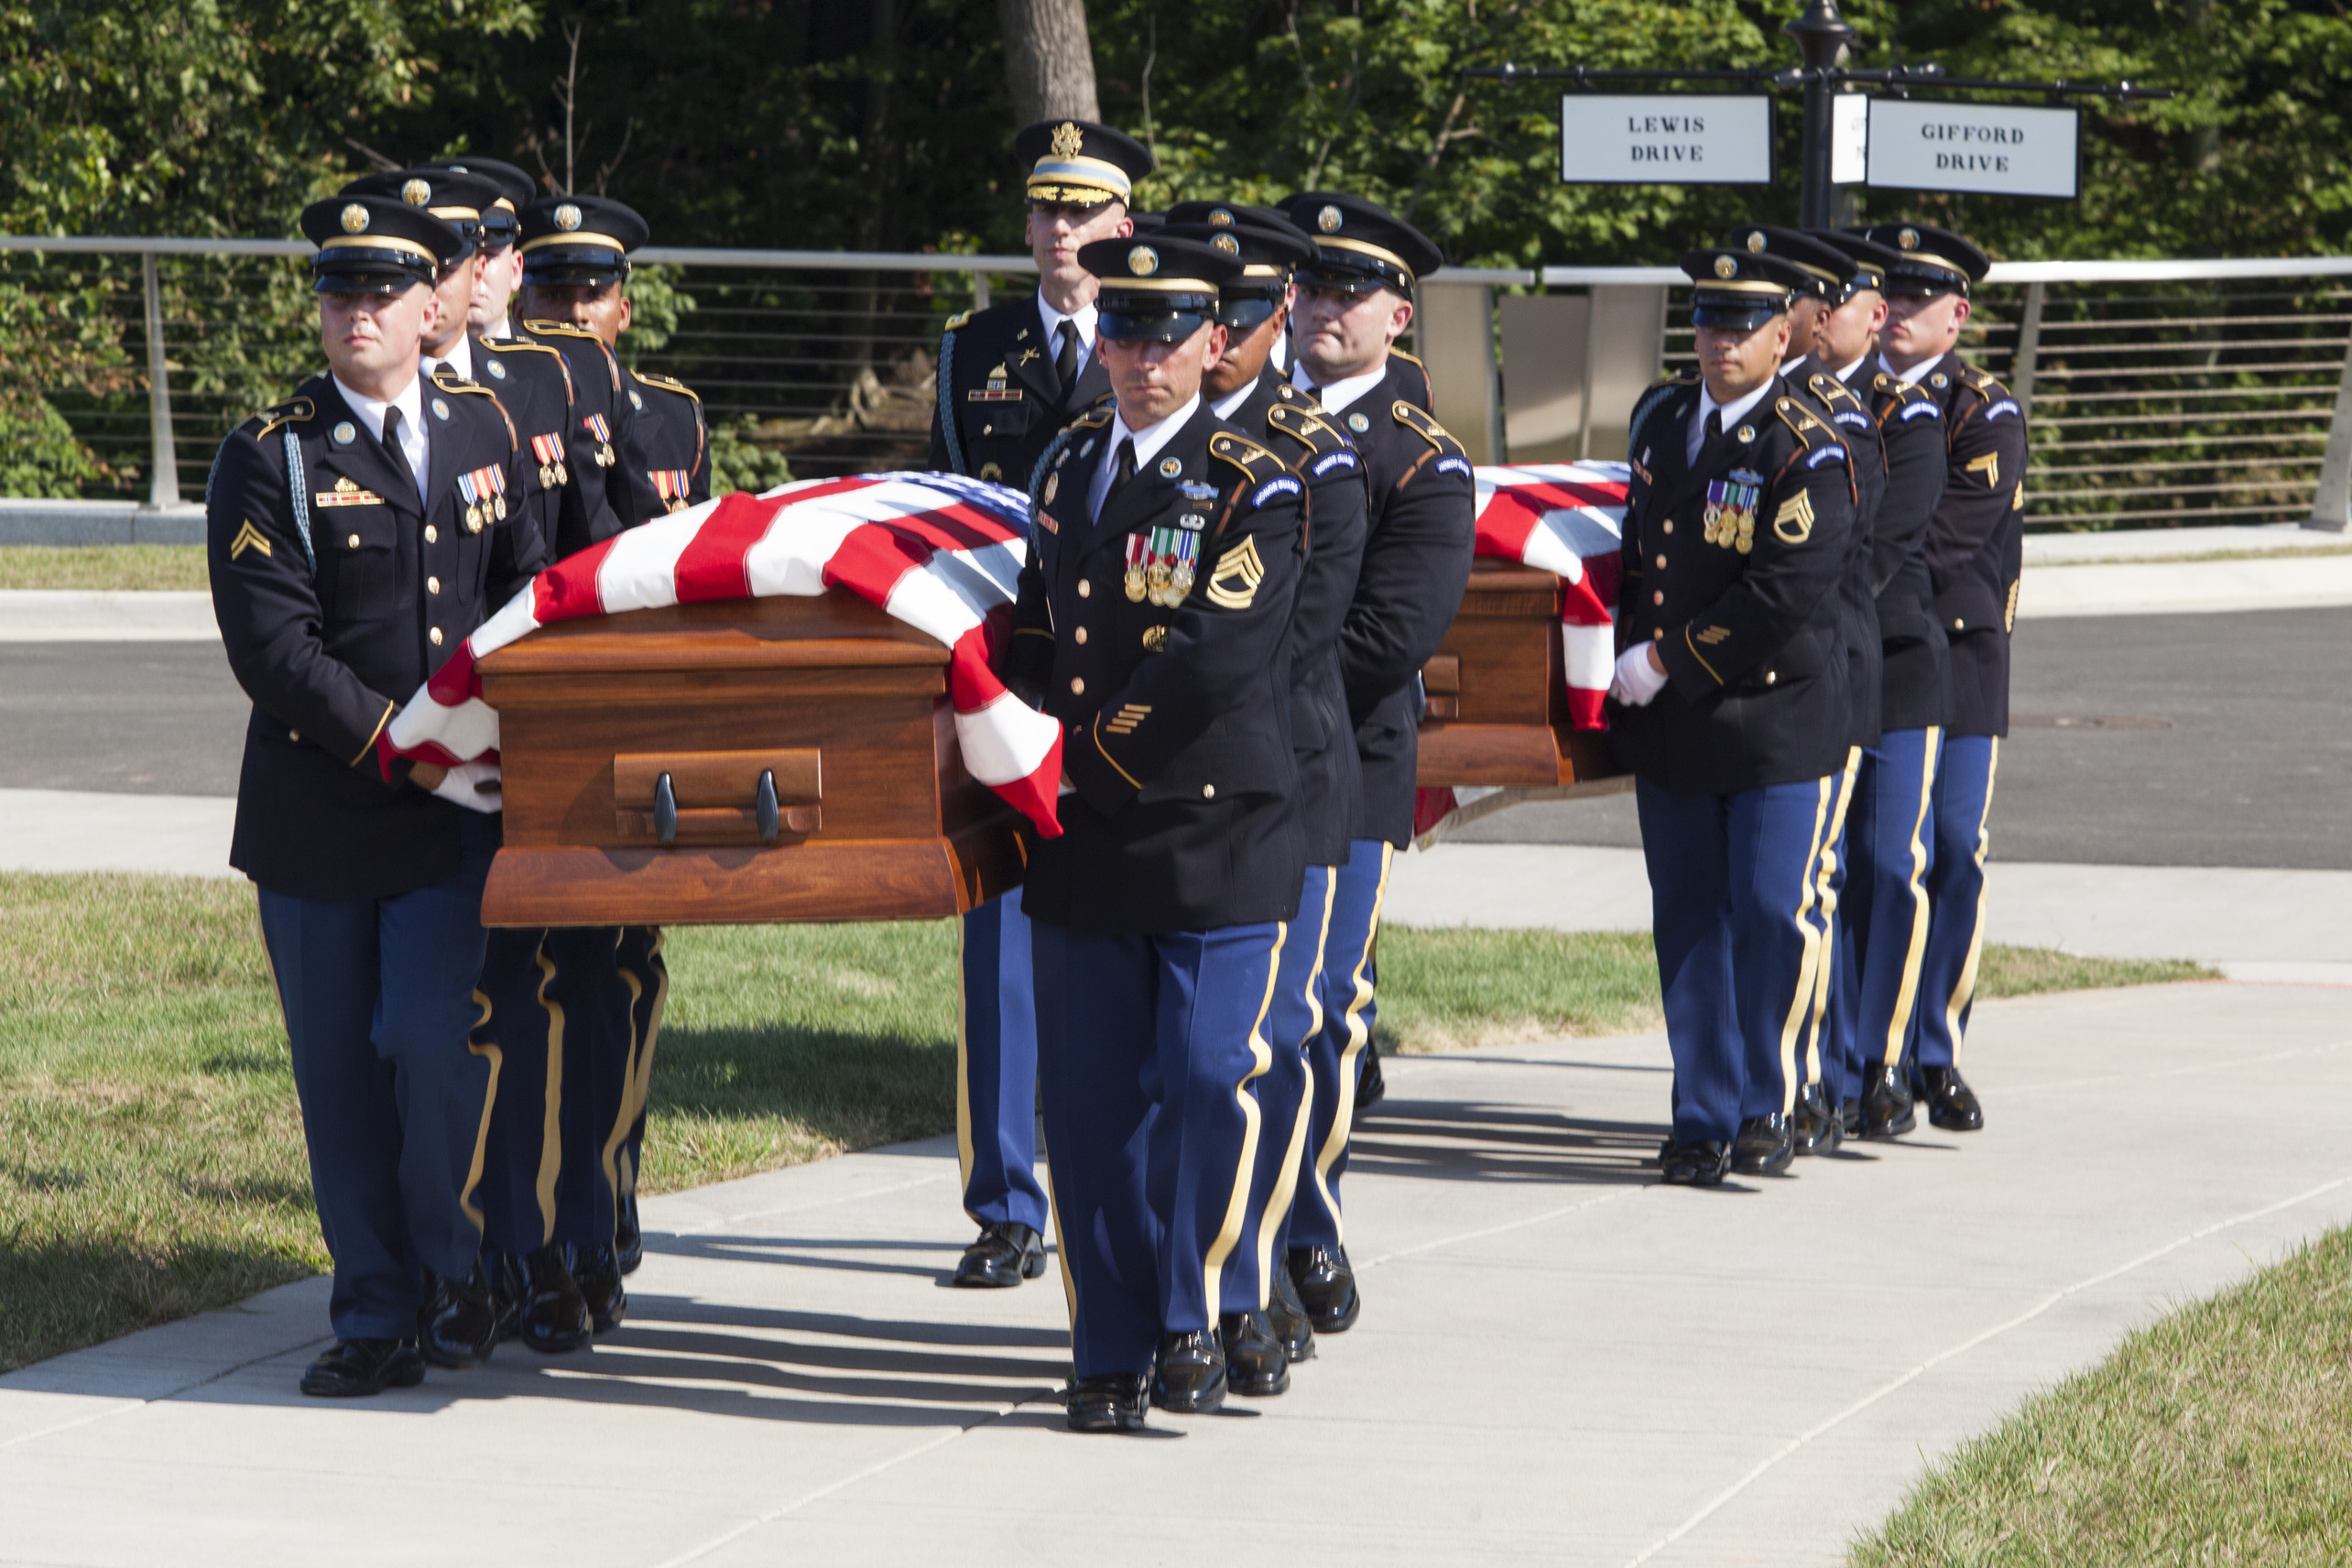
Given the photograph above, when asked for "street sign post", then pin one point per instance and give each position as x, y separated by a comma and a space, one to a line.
1666, 138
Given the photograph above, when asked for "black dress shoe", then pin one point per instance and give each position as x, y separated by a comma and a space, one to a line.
628, 1236
457, 1325
1849, 1120
1816, 1127
1326, 1285
1286, 1316
1256, 1367
1371, 1088
597, 1271
355, 1368
506, 1295
554, 1317
1006, 1254
1191, 1377
1951, 1104
1887, 1106
1702, 1164
1765, 1146
1116, 1402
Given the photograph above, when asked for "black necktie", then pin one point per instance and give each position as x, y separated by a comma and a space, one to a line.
443, 367
1065, 358
1122, 470
1714, 427
399, 459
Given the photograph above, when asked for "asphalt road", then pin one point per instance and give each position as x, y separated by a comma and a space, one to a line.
2252, 771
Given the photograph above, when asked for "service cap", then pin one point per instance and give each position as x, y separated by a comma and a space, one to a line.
457, 199
502, 220
1076, 163
1867, 261
1929, 260
1824, 266
1741, 289
1268, 249
1157, 288
579, 239
377, 245
1360, 245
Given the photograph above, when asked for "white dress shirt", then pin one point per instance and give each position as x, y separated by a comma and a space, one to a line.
1336, 397
1912, 376
1226, 405
411, 404
1847, 374
1083, 320
1731, 414
501, 329
1147, 442
459, 358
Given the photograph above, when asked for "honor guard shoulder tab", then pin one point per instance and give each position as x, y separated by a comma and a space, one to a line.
1254, 462
957, 320
457, 385
1424, 426
1307, 428
296, 411
1818, 442
1911, 399
667, 383
1830, 390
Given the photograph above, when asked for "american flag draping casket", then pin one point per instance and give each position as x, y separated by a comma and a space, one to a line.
781, 707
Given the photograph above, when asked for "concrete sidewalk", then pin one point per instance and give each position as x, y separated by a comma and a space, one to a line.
75, 830
1559, 1361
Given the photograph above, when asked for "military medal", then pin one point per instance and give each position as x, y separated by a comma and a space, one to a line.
1729, 519
473, 503
549, 450
670, 483
1135, 545
595, 426
1181, 570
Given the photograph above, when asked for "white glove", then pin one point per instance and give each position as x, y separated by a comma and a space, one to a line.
1636, 682
474, 786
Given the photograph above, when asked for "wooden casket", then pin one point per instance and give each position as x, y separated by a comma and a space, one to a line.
739, 762
1498, 694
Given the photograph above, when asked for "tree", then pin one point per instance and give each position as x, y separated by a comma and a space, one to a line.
1048, 63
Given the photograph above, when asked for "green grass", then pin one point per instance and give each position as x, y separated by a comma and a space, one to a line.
116, 567
2221, 1434
151, 1158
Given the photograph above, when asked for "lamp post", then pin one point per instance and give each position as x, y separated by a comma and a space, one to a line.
1822, 35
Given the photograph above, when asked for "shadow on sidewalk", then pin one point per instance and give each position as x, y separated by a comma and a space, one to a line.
1453, 1140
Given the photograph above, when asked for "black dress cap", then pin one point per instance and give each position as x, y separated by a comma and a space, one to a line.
1268, 256
1360, 245
457, 199
1076, 163
503, 218
376, 244
1740, 291
1824, 265
1867, 261
1929, 260
1157, 288
579, 240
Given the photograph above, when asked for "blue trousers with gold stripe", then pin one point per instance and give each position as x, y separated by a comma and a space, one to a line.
534, 1119
378, 996
600, 1041
1883, 919
1955, 895
1294, 1026
1834, 949
1335, 1054
1149, 1051
638, 960
1733, 890
995, 1091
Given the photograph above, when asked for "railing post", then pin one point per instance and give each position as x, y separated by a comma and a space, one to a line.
163, 488
979, 291
2331, 505
2029, 345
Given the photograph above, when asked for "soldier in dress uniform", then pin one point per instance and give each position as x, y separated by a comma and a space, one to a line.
1829, 280
1355, 299
1872, 1017
1975, 557
354, 542
1729, 706
609, 981
1152, 623
1246, 388
1010, 377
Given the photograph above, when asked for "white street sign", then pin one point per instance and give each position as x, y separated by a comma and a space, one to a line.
1665, 139
1989, 147
1849, 139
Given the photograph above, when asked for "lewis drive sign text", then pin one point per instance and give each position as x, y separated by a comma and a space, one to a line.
1988, 147
1609, 138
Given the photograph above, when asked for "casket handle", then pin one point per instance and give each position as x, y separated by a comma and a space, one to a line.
664, 811
771, 815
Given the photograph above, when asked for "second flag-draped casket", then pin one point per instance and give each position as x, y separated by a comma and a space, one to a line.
780, 708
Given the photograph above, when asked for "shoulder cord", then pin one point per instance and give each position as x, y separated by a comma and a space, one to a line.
947, 379
300, 492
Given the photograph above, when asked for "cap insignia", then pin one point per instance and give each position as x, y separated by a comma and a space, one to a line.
416, 193
1726, 266
1219, 218
1143, 261
1908, 239
567, 217
1756, 240
1226, 243
354, 219
1068, 141
1328, 220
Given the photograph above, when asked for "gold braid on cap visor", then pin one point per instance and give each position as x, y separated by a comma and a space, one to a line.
1721, 285
1052, 174
1392, 257
1116, 285
472, 212
1928, 258
377, 242
604, 242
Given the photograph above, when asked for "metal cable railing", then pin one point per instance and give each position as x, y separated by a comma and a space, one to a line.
2159, 392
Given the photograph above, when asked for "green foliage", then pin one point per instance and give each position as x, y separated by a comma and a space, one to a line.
656, 305
740, 461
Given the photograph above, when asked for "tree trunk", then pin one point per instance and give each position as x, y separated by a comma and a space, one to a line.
1048, 63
